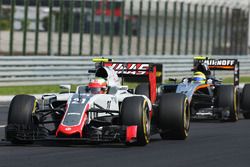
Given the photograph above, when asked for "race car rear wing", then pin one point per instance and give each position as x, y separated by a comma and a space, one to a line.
220, 64
132, 71
135, 72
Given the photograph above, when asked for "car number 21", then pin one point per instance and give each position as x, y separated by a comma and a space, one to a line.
77, 101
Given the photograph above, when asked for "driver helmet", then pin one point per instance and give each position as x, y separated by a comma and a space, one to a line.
203, 67
98, 85
199, 77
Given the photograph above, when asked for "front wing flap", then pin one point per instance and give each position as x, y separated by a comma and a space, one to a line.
107, 134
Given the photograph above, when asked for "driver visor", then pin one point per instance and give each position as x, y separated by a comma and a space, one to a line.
198, 79
95, 90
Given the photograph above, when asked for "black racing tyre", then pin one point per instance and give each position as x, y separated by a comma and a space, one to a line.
135, 111
142, 89
245, 101
174, 116
227, 97
20, 114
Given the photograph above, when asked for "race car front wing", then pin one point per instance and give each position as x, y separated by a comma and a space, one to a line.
106, 134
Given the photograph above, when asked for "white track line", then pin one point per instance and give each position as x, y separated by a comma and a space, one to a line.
2, 126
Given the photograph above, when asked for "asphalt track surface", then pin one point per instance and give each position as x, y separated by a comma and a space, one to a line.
210, 144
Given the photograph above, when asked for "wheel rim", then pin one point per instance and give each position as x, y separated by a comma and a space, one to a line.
235, 105
35, 106
186, 117
146, 122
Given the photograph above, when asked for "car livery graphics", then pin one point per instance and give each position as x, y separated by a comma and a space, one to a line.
118, 115
130, 68
212, 99
220, 64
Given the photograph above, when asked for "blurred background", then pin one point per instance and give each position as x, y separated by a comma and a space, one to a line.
124, 27
52, 41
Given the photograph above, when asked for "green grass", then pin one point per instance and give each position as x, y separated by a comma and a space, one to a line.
41, 89
242, 80
38, 89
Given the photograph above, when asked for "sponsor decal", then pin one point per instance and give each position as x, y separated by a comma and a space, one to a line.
129, 68
220, 62
67, 129
108, 104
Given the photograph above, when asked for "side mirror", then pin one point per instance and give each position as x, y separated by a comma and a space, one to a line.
173, 80
92, 71
209, 81
68, 87
185, 80
131, 91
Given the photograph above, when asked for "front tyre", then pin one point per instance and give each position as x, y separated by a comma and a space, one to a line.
20, 117
227, 98
174, 116
245, 101
135, 111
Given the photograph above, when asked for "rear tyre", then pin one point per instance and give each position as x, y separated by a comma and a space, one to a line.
245, 101
20, 116
227, 98
135, 111
142, 89
174, 116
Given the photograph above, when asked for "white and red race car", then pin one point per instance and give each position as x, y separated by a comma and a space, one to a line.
121, 115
